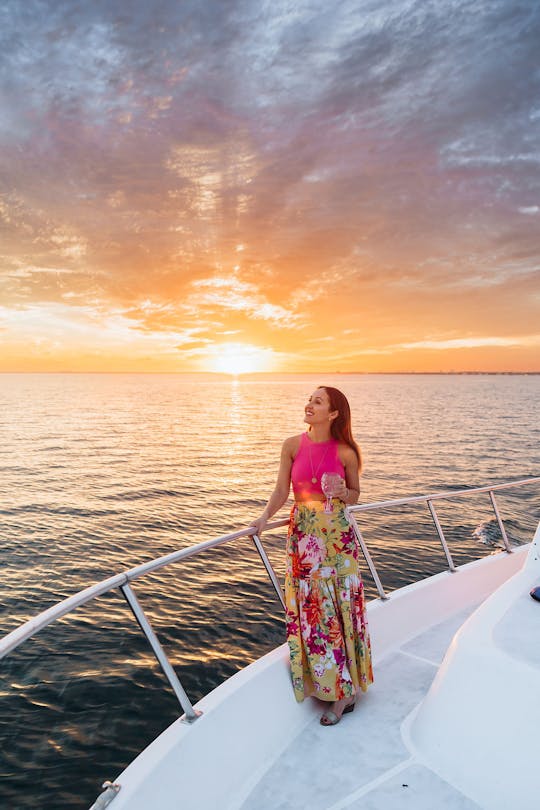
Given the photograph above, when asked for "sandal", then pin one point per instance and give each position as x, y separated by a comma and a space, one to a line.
330, 718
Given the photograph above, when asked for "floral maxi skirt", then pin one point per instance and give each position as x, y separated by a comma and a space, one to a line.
327, 629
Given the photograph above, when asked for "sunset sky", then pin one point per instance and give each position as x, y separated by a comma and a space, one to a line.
258, 186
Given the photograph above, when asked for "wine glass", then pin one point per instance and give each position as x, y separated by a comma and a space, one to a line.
330, 484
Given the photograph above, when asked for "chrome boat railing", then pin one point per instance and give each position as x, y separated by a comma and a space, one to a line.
123, 581
428, 499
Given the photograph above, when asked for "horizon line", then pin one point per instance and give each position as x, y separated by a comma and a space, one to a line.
478, 372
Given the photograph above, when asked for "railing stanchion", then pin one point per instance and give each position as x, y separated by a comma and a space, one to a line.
190, 714
367, 556
442, 538
499, 521
268, 565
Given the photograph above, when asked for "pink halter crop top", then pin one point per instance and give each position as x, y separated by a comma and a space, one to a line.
311, 461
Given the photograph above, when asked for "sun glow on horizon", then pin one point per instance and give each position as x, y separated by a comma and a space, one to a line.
183, 219
238, 358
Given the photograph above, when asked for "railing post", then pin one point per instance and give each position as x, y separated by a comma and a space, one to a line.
268, 565
442, 538
499, 521
190, 713
367, 556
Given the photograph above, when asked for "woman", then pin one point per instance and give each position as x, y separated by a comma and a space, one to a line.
326, 623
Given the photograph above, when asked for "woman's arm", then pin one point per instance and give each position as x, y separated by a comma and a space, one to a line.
351, 486
283, 485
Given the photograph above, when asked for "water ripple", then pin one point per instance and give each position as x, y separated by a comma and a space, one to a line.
104, 472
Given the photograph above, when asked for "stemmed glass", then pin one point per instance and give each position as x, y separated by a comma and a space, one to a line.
330, 484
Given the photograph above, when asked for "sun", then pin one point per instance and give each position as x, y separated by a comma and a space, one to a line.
238, 358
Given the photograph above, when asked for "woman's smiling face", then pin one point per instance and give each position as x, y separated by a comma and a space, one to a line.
317, 409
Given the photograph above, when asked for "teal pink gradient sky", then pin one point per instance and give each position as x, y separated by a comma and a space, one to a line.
317, 186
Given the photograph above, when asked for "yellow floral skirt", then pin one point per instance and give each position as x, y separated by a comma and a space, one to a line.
327, 628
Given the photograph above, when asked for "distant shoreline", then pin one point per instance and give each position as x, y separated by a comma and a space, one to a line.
260, 374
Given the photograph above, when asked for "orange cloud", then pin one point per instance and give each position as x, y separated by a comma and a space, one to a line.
328, 189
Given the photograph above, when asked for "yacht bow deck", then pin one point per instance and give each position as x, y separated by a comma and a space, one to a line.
364, 763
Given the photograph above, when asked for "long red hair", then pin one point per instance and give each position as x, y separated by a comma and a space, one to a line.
340, 427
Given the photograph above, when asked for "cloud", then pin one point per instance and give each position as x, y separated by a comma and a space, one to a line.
230, 293
59, 326
364, 156
472, 342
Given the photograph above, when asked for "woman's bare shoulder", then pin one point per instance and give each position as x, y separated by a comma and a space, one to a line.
292, 445
347, 454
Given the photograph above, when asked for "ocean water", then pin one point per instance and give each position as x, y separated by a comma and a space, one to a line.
102, 472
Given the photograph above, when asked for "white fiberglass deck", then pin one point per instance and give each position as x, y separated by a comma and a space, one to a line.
364, 763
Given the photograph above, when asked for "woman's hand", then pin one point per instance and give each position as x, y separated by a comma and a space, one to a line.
341, 490
259, 524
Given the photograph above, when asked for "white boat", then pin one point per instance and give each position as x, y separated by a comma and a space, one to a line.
450, 722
